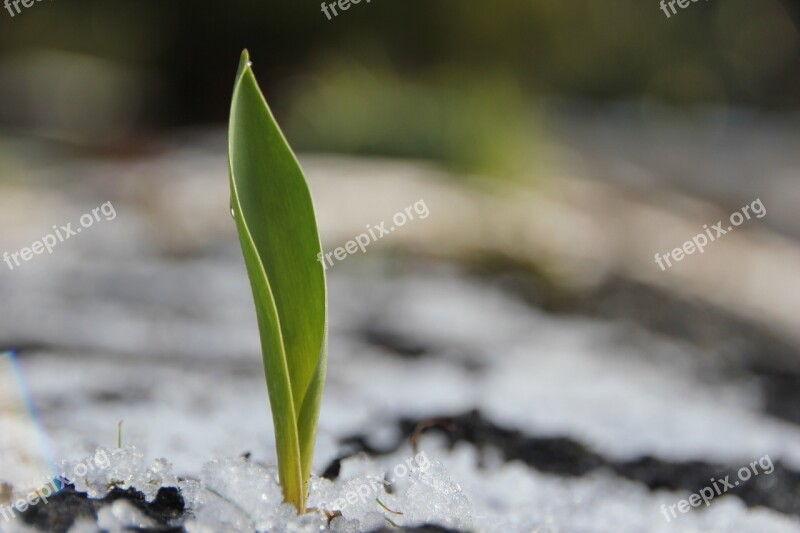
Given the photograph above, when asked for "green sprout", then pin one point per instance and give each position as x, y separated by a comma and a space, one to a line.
271, 204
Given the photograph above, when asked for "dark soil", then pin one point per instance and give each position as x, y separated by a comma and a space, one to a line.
68, 505
167, 510
560, 456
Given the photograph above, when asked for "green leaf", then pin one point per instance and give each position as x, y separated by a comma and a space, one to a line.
271, 203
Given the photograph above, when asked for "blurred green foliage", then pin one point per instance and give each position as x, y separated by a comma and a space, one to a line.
451, 80
480, 125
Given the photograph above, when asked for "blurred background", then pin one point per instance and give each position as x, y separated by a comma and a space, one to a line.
558, 146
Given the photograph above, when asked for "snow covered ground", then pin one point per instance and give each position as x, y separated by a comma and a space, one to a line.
554, 422
179, 364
